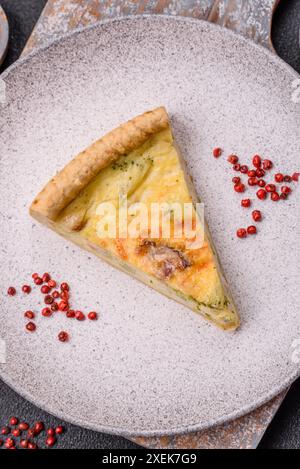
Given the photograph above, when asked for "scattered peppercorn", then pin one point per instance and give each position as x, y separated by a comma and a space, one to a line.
54, 306
46, 312
286, 189
63, 306
23, 426
32, 445
63, 336
270, 188
45, 289
79, 316
256, 215
239, 187
278, 177
244, 169
92, 316
217, 152
241, 233
275, 196
13, 421
59, 430
46, 277
50, 441
9, 442
24, 443
245, 203
261, 194
50, 432
251, 230
30, 326
38, 281
256, 160
267, 164
48, 300
11, 291
29, 314
260, 173
38, 427
252, 181
70, 313
5, 430
233, 159
236, 180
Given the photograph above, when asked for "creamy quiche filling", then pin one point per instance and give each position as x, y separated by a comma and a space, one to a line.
151, 173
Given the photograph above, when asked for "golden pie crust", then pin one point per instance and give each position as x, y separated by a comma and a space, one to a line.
67, 184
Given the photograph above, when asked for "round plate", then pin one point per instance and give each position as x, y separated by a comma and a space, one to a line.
149, 365
3, 34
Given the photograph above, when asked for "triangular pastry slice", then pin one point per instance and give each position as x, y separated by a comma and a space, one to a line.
138, 162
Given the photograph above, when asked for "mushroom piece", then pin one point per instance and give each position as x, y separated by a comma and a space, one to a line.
166, 259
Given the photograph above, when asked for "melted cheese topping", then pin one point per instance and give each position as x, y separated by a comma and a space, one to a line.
151, 173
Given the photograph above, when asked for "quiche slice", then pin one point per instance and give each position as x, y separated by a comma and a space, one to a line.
139, 162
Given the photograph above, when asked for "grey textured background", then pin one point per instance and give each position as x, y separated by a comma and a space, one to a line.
284, 432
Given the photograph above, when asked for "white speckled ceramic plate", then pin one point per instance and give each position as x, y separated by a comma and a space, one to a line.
149, 365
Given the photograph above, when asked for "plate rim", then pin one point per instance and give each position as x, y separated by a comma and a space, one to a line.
110, 429
176, 18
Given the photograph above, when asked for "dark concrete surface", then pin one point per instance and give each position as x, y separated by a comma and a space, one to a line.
284, 431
